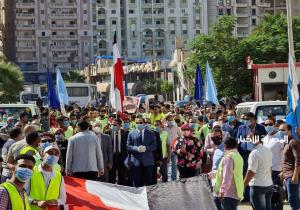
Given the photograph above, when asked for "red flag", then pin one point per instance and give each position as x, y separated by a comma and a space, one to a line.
117, 74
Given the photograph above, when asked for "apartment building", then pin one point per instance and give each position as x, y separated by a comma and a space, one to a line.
279, 6
49, 33
147, 28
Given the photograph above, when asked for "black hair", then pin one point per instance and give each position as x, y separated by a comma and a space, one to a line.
83, 125
118, 120
60, 119
216, 129
143, 119
35, 117
32, 137
289, 127
250, 115
15, 132
25, 157
23, 114
230, 143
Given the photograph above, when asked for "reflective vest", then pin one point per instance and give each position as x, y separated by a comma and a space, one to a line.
38, 190
35, 152
164, 136
69, 133
237, 174
15, 198
154, 118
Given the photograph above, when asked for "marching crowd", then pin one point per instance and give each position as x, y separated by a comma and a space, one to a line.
245, 161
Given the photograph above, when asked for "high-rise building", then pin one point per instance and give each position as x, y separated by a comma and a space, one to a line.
147, 28
279, 6
49, 33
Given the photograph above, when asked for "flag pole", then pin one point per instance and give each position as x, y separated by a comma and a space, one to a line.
290, 28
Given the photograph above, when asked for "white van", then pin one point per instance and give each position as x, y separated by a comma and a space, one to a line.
263, 108
14, 110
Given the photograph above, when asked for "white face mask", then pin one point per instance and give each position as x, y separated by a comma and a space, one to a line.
97, 130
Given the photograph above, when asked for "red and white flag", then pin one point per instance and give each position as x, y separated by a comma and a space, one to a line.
117, 74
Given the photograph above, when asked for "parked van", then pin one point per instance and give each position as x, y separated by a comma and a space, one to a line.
14, 110
263, 108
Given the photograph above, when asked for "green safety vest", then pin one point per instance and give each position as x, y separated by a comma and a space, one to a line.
153, 118
36, 154
69, 132
15, 198
164, 140
237, 174
38, 189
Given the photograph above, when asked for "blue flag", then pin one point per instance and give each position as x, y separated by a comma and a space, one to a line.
198, 93
61, 88
52, 97
211, 90
293, 118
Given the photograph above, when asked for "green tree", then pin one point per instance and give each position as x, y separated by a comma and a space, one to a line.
219, 49
165, 88
151, 86
73, 76
11, 82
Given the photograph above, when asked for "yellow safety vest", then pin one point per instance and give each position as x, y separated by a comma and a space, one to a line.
16, 200
237, 174
38, 189
69, 133
164, 140
36, 154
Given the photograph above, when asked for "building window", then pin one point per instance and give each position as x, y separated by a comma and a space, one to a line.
114, 22
101, 22
132, 1
184, 32
228, 11
86, 54
43, 44
171, 11
253, 2
85, 22
133, 53
113, 12
221, 11
42, 12
43, 22
254, 22
131, 11
253, 11
42, 1
44, 55
184, 21
84, 1
54, 33
113, 1
172, 32
43, 33
84, 11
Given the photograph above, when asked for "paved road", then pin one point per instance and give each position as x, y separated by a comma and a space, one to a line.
248, 207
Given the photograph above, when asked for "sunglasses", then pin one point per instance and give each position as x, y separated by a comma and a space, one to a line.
139, 123
270, 124
47, 140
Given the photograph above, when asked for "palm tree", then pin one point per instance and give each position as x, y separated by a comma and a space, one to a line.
11, 82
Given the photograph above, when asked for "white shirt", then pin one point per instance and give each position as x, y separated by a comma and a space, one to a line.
174, 133
260, 162
47, 177
276, 146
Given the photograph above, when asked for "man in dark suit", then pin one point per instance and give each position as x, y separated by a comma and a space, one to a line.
141, 143
106, 146
118, 136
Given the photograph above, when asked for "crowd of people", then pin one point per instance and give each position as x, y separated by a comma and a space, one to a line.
245, 161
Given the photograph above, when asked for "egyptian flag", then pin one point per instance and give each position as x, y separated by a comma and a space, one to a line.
117, 74
93, 195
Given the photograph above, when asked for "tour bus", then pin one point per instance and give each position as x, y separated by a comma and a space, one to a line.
262, 109
82, 94
14, 110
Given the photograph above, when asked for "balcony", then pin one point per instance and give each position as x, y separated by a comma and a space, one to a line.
242, 35
70, 26
242, 4
26, 60
25, 37
64, 16
146, 5
57, 26
242, 25
242, 14
25, 16
59, 59
158, 5
26, 48
64, 48
63, 5
25, 5
265, 5
64, 37
26, 27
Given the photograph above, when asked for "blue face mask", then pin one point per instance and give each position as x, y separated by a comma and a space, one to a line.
230, 118
114, 128
51, 160
126, 126
270, 129
23, 174
44, 145
192, 125
140, 126
281, 134
157, 129
147, 126
58, 137
170, 123
66, 124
